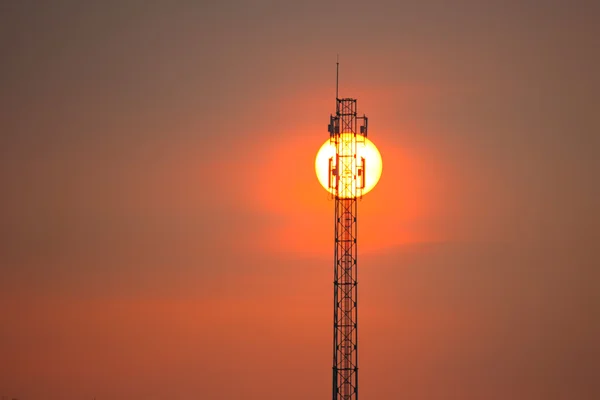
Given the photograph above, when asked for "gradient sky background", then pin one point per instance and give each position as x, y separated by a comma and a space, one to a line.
163, 234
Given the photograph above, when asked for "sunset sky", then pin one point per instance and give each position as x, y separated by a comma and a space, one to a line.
163, 233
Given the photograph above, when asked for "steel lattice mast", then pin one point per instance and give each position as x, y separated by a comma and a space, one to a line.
346, 183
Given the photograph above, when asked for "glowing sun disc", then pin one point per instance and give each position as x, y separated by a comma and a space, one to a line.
372, 171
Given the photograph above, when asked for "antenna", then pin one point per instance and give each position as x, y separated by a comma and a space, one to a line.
337, 75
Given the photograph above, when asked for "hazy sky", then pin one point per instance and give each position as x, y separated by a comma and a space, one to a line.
163, 234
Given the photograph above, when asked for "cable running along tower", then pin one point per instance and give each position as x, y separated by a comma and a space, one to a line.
347, 181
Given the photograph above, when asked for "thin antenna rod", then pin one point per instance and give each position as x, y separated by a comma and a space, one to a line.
337, 75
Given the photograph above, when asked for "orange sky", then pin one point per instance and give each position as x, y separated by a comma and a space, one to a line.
163, 234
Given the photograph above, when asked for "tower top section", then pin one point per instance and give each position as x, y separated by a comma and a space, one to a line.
348, 164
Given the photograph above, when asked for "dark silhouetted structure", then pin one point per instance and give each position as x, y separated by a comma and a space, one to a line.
346, 181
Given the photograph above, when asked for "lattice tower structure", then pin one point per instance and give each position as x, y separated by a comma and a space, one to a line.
346, 184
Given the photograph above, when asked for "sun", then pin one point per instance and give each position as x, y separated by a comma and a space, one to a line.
359, 178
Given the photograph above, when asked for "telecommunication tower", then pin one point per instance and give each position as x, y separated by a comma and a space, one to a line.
347, 132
